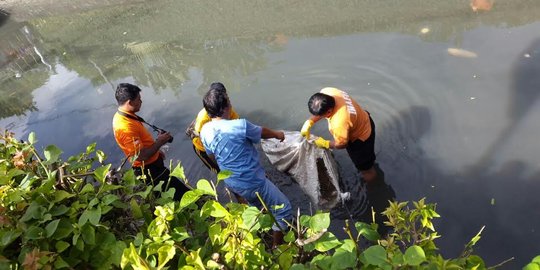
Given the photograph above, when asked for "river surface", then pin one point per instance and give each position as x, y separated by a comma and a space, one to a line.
459, 127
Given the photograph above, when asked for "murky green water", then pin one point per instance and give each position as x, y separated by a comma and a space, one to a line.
460, 129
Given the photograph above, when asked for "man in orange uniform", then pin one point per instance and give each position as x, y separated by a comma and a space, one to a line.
137, 142
350, 125
203, 118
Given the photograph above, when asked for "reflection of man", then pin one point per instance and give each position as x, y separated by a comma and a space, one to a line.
483, 5
350, 125
137, 142
231, 143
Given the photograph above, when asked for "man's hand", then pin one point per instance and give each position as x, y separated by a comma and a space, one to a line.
322, 143
306, 127
163, 138
280, 136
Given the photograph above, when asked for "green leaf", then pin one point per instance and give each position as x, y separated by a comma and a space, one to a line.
367, 231
327, 242
289, 237
101, 173
58, 210
536, 259
63, 230
165, 254
32, 138
108, 187
101, 156
304, 220
250, 217
165, 212
50, 229
135, 209
319, 222
297, 266
94, 215
375, 255
343, 259
414, 256
215, 209
80, 244
180, 234
189, 197
34, 211
83, 218
7, 237
204, 185
195, 259
61, 246
129, 178
532, 266
285, 260
87, 188
59, 263
178, 172
93, 202
322, 262
91, 148
52, 153
88, 234
108, 199
222, 175
34, 233
214, 233
60, 195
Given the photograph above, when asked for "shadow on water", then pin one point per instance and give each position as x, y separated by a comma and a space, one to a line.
4, 16
475, 196
525, 92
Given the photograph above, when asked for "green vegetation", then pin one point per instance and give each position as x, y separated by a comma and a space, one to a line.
65, 214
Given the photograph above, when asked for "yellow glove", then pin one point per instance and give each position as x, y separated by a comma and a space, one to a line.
322, 143
306, 127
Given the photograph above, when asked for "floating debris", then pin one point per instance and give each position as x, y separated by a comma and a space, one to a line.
472, 98
481, 5
425, 30
527, 55
461, 53
492, 201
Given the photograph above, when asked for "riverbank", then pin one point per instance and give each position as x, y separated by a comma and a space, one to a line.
22, 10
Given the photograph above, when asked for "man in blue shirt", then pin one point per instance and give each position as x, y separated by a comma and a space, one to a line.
230, 142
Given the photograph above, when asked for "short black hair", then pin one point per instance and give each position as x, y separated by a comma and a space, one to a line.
218, 86
215, 102
125, 92
319, 104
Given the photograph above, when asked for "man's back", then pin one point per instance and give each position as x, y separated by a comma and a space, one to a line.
231, 142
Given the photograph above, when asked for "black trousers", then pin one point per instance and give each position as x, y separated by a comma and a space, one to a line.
362, 153
156, 172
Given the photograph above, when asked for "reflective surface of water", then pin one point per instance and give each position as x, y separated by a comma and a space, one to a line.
456, 126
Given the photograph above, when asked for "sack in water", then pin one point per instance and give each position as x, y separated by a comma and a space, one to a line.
313, 168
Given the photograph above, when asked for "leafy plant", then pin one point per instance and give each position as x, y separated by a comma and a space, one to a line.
84, 214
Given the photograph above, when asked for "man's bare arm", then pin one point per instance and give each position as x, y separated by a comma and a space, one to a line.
148, 152
268, 133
